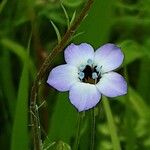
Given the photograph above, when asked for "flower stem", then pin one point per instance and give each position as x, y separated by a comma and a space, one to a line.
45, 68
111, 124
92, 129
77, 138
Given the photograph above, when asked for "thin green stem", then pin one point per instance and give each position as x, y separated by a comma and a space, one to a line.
111, 124
77, 138
130, 134
92, 129
45, 68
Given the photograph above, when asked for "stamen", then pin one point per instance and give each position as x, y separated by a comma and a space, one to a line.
90, 62
81, 75
89, 73
94, 75
82, 67
98, 69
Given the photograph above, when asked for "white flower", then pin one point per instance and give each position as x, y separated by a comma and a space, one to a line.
88, 74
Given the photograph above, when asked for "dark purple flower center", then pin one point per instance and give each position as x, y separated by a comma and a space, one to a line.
88, 75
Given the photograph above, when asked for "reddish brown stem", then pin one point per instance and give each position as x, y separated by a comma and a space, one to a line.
44, 68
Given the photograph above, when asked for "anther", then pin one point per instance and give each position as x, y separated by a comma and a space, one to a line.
81, 75
90, 62
98, 69
94, 75
81, 67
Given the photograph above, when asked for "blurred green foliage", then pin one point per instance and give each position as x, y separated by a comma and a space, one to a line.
120, 124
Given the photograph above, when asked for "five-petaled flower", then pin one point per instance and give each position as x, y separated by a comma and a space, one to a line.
88, 74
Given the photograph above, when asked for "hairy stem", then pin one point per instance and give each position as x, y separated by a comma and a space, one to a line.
42, 71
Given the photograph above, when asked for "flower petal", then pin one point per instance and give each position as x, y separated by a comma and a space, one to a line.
109, 56
62, 77
79, 54
84, 96
112, 84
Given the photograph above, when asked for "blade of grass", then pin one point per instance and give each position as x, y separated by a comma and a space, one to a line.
138, 103
111, 124
15, 48
77, 138
20, 126
2, 5
20, 51
144, 80
7, 81
20, 137
129, 121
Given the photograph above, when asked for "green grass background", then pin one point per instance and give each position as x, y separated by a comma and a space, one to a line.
122, 123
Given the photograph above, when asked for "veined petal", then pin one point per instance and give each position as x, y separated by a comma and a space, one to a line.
63, 77
112, 84
84, 96
109, 56
79, 54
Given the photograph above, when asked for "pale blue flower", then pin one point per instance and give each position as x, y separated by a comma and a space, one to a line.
88, 74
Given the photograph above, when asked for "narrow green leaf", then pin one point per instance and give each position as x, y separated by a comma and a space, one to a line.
20, 127
55, 16
66, 15
76, 35
111, 124
73, 18
57, 32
